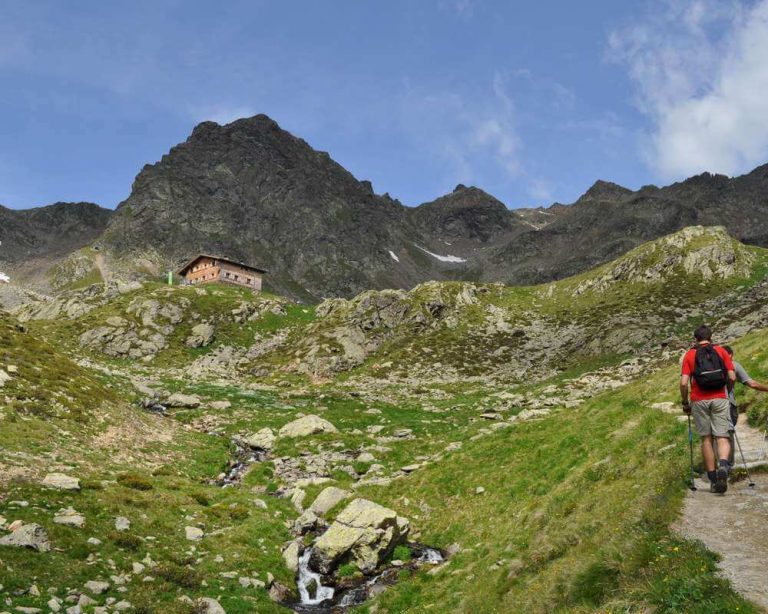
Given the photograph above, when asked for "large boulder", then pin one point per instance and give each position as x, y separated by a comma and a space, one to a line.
263, 439
30, 535
364, 533
183, 400
308, 425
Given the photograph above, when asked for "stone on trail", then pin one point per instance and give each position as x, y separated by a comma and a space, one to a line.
479, 490
364, 532
61, 481
328, 499
188, 401
70, 517
308, 425
30, 535
193, 534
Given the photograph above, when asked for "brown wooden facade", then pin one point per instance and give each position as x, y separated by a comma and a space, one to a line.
206, 269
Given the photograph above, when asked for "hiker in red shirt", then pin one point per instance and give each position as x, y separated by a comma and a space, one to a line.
709, 370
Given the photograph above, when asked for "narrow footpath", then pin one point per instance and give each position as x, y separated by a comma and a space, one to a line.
742, 517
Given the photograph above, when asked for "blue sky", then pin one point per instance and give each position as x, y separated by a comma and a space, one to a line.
530, 101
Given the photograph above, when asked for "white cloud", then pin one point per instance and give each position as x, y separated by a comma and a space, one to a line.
473, 134
701, 75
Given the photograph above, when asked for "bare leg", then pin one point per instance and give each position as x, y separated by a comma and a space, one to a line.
708, 453
723, 448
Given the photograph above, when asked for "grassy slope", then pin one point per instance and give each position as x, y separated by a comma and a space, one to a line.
573, 518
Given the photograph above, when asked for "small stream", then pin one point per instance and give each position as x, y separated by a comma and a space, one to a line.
319, 598
244, 457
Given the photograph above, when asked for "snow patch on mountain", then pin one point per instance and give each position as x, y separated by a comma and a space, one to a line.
442, 258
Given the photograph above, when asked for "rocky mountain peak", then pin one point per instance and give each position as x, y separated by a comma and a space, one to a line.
604, 190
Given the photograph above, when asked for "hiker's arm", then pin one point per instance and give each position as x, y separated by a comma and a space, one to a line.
684, 380
756, 385
731, 378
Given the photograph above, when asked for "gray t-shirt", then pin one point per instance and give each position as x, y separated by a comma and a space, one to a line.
742, 377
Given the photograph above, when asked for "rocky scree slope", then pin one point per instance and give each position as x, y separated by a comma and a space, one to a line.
439, 331
449, 331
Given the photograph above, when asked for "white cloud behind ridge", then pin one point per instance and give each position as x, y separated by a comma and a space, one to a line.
700, 68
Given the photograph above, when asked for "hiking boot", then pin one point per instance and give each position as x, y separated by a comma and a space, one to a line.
721, 482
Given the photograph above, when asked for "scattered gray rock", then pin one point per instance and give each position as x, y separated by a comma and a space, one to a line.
308, 425
220, 405
61, 481
327, 499
30, 535
70, 517
202, 335
187, 401
122, 523
263, 439
194, 534
96, 588
291, 556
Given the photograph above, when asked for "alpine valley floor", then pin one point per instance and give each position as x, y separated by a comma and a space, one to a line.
530, 435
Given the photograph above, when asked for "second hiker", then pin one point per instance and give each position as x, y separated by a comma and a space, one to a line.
708, 371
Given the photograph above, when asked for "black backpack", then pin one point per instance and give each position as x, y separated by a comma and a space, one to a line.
709, 372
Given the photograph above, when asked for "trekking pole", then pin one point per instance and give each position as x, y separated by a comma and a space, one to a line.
690, 444
743, 460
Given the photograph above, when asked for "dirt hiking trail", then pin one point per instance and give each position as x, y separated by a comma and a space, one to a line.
742, 517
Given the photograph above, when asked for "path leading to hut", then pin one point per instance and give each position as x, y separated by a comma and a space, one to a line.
735, 525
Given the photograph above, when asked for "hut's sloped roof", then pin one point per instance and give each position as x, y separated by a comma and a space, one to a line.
183, 270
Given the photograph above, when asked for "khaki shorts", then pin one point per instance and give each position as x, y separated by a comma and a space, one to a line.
712, 417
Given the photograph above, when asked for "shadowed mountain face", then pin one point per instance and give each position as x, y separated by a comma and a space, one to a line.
609, 220
258, 194
49, 232
254, 192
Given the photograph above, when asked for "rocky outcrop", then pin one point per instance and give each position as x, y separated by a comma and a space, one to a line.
364, 533
202, 335
707, 253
